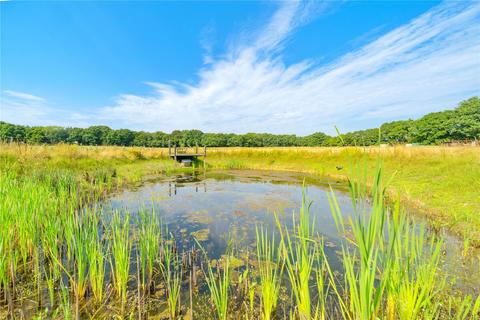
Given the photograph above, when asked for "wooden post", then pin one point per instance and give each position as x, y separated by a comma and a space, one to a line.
175, 152
204, 155
169, 152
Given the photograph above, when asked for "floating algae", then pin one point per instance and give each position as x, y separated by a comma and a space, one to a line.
199, 216
201, 235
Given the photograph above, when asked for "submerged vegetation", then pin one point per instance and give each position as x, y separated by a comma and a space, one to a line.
61, 256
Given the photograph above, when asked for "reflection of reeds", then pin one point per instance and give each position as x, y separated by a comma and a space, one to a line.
270, 270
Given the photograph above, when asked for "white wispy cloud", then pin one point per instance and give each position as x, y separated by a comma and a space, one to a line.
28, 109
23, 95
427, 64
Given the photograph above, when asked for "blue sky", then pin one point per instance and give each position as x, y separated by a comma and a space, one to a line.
281, 67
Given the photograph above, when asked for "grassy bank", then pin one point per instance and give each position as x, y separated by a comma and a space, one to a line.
442, 182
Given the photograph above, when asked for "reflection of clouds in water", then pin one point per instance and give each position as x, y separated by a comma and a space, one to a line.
226, 207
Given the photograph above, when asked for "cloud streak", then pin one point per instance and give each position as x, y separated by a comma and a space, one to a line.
23, 96
28, 109
428, 64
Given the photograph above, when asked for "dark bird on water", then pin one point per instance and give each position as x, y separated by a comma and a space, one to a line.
339, 167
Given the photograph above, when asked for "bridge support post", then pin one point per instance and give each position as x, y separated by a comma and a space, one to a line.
204, 156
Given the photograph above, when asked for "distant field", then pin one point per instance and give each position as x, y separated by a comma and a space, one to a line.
441, 182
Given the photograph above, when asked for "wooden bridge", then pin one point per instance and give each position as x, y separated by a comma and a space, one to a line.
187, 154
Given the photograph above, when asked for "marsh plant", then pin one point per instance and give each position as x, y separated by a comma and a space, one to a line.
270, 270
387, 273
95, 254
218, 279
121, 250
149, 238
172, 270
299, 250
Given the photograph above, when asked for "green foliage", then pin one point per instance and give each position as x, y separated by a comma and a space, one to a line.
270, 270
462, 123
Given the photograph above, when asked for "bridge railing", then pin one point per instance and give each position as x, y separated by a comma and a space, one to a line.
197, 151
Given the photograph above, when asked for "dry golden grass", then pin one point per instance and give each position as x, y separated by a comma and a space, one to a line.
65, 151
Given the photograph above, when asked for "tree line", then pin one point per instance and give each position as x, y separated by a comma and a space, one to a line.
459, 124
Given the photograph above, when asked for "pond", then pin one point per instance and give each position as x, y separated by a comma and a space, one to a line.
221, 205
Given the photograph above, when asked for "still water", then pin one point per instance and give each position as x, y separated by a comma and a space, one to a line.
217, 206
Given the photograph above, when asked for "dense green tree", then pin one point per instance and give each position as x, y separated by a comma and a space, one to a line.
160, 139
75, 135
96, 135
142, 139
10, 132
35, 135
122, 137
397, 131
214, 139
55, 134
315, 139
235, 140
192, 137
433, 128
466, 123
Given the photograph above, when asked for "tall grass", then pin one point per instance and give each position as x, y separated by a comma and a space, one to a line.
121, 250
172, 270
270, 270
148, 243
386, 272
218, 282
95, 254
299, 251
80, 258
325, 283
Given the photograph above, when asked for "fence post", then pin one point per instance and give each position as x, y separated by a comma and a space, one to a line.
204, 156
